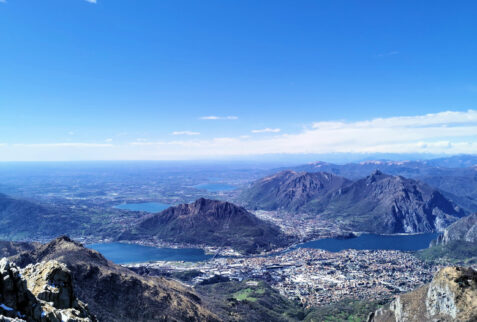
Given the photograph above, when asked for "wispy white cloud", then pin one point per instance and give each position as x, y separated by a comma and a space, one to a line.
436, 119
185, 133
266, 130
213, 117
448, 132
64, 145
108, 140
445, 132
91, 1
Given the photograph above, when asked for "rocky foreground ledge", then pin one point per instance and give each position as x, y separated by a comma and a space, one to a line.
115, 293
451, 296
39, 292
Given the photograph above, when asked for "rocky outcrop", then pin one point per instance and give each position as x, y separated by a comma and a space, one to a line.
113, 293
451, 296
210, 222
464, 229
40, 292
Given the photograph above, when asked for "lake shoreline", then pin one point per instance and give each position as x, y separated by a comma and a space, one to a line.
365, 241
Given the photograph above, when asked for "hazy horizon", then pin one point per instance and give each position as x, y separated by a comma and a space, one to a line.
183, 80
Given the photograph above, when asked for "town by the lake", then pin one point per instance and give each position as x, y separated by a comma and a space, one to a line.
317, 276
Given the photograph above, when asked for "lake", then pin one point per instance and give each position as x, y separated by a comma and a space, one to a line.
122, 253
215, 187
144, 206
373, 242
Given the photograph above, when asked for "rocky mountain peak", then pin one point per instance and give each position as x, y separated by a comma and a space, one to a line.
212, 222
203, 203
376, 175
212, 209
291, 190
63, 239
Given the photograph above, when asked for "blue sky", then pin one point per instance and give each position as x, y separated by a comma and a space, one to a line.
124, 79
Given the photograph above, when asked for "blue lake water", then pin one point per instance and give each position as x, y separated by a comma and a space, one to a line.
373, 242
143, 206
121, 253
215, 187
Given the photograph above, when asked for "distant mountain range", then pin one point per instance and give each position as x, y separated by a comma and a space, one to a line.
455, 177
379, 203
407, 168
455, 161
210, 222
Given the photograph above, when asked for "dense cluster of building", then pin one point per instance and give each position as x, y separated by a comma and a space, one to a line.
319, 277
304, 226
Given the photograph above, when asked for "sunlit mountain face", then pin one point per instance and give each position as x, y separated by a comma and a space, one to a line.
238, 161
